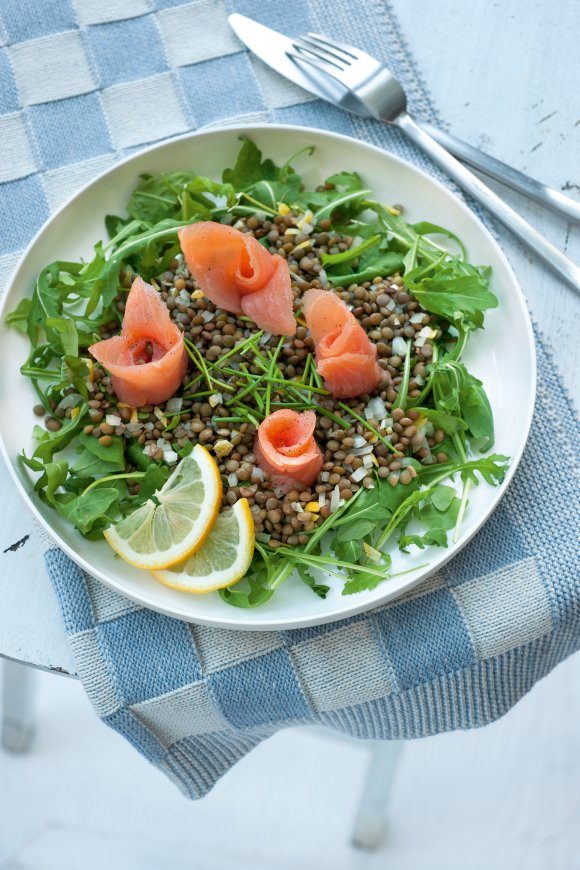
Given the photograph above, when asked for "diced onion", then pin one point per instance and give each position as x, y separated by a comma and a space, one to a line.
170, 457
376, 409
399, 346
173, 405
358, 475
362, 451
368, 460
232, 479
335, 500
359, 441
113, 420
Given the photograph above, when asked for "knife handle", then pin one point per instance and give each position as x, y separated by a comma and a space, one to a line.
509, 176
525, 232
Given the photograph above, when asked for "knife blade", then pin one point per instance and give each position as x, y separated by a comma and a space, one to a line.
272, 47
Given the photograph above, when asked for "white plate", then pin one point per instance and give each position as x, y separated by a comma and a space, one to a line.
502, 355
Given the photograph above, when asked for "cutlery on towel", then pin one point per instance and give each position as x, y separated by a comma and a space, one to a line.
348, 77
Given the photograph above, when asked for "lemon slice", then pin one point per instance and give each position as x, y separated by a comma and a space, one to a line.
224, 557
172, 524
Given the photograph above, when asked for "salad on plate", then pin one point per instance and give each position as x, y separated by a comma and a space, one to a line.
252, 380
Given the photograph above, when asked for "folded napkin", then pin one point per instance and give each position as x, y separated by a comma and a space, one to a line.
456, 652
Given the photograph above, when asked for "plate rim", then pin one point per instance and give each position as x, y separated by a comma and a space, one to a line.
354, 609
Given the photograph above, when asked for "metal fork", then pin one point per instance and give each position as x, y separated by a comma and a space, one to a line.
372, 90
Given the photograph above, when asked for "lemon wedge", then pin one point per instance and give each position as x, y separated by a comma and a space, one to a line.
172, 524
223, 558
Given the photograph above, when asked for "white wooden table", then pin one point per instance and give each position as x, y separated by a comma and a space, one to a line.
506, 78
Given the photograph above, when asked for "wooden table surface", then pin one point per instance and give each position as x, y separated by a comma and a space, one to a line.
506, 77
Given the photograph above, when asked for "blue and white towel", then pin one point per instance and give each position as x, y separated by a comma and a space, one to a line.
84, 81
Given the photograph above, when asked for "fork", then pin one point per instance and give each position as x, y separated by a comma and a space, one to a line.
372, 90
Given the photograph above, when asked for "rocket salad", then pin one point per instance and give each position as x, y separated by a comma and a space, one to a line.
310, 340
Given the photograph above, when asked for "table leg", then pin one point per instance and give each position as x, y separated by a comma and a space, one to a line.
369, 826
17, 726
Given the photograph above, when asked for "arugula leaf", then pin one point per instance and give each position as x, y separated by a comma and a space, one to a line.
86, 510
458, 391
255, 588
366, 508
19, 317
49, 443
371, 264
66, 331
347, 256
442, 420
249, 167
152, 201
426, 228
431, 538
155, 477
96, 459
53, 476
305, 574
362, 581
454, 290
442, 496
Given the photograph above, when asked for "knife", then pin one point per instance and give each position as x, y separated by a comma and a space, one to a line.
272, 48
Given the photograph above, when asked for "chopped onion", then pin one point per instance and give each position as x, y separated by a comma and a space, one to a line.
362, 451
322, 278
297, 507
417, 317
374, 555
325, 476
265, 338
358, 475
173, 405
399, 346
113, 420
322, 499
376, 409
335, 500
72, 400
207, 315
184, 295
232, 479
391, 304
257, 473
359, 441
419, 380
170, 457
215, 400
368, 460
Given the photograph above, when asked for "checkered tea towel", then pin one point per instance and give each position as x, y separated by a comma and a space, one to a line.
84, 81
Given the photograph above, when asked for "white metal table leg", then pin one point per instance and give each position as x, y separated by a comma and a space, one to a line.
369, 826
17, 706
